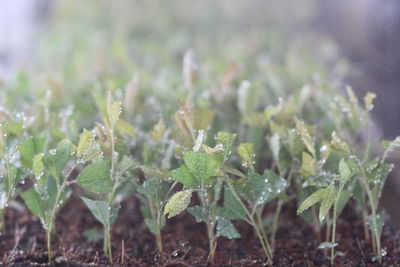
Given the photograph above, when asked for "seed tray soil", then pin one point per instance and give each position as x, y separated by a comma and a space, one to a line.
185, 242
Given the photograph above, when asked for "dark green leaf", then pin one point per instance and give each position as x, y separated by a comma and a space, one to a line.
202, 166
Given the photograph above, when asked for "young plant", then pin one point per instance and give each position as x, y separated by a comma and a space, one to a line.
50, 189
202, 173
246, 198
106, 177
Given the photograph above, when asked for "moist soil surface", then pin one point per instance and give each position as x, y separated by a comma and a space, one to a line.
185, 241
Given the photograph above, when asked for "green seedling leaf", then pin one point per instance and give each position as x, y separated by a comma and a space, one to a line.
225, 141
178, 203
389, 146
246, 152
125, 128
306, 137
369, 101
379, 223
202, 166
339, 144
99, 209
232, 209
183, 176
38, 165
126, 164
344, 197
327, 201
311, 200
152, 225
230, 170
153, 189
198, 212
85, 143
308, 165
113, 110
261, 189
344, 170
96, 177
202, 118
158, 131
55, 163
34, 202
29, 148
226, 228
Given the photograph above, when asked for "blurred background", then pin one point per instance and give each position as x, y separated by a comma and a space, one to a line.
73, 43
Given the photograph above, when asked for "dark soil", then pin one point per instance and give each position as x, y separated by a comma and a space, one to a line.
185, 242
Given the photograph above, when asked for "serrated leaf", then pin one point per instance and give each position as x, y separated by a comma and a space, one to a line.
85, 143
311, 200
327, 201
183, 176
178, 203
246, 152
198, 212
344, 170
202, 166
306, 137
96, 177
226, 228
29, 148
37, 164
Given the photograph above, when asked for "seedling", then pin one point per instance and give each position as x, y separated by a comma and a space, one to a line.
51, 189
105, 177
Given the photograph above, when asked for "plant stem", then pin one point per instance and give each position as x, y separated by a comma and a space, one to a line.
48, 236
334, 221
276, 222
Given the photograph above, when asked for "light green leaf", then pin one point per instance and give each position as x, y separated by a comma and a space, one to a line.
339, 144
246, 152
158, 131
152, 225
274, 143
34, 202
202, 166
327, 201
178, 203
96, 177
113, 110
306, 137
369, 101
29, 148
226, 228
183, 176
99, 209
311, 200
85, 143
125, 128
226, 140
308, 165
37, 164
344, 170
55, 163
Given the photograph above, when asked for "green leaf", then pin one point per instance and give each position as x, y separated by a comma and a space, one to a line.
29, 148
183, 176
261, 189
369, 101
55, 163
344, 170
308, 165
274, 143
344, 198
226, 228
389, 146
37, 164
152, 225
153, 189
226, 140
311, 200
34, 202
202, 166
99, 209
96, 177
126, 163
178, 203
202, 118
246, 152
125, 128
339, 144
198, 212
232, 209
379, 223
113, 110
306, 137
327, 201
158, 131
85, 143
